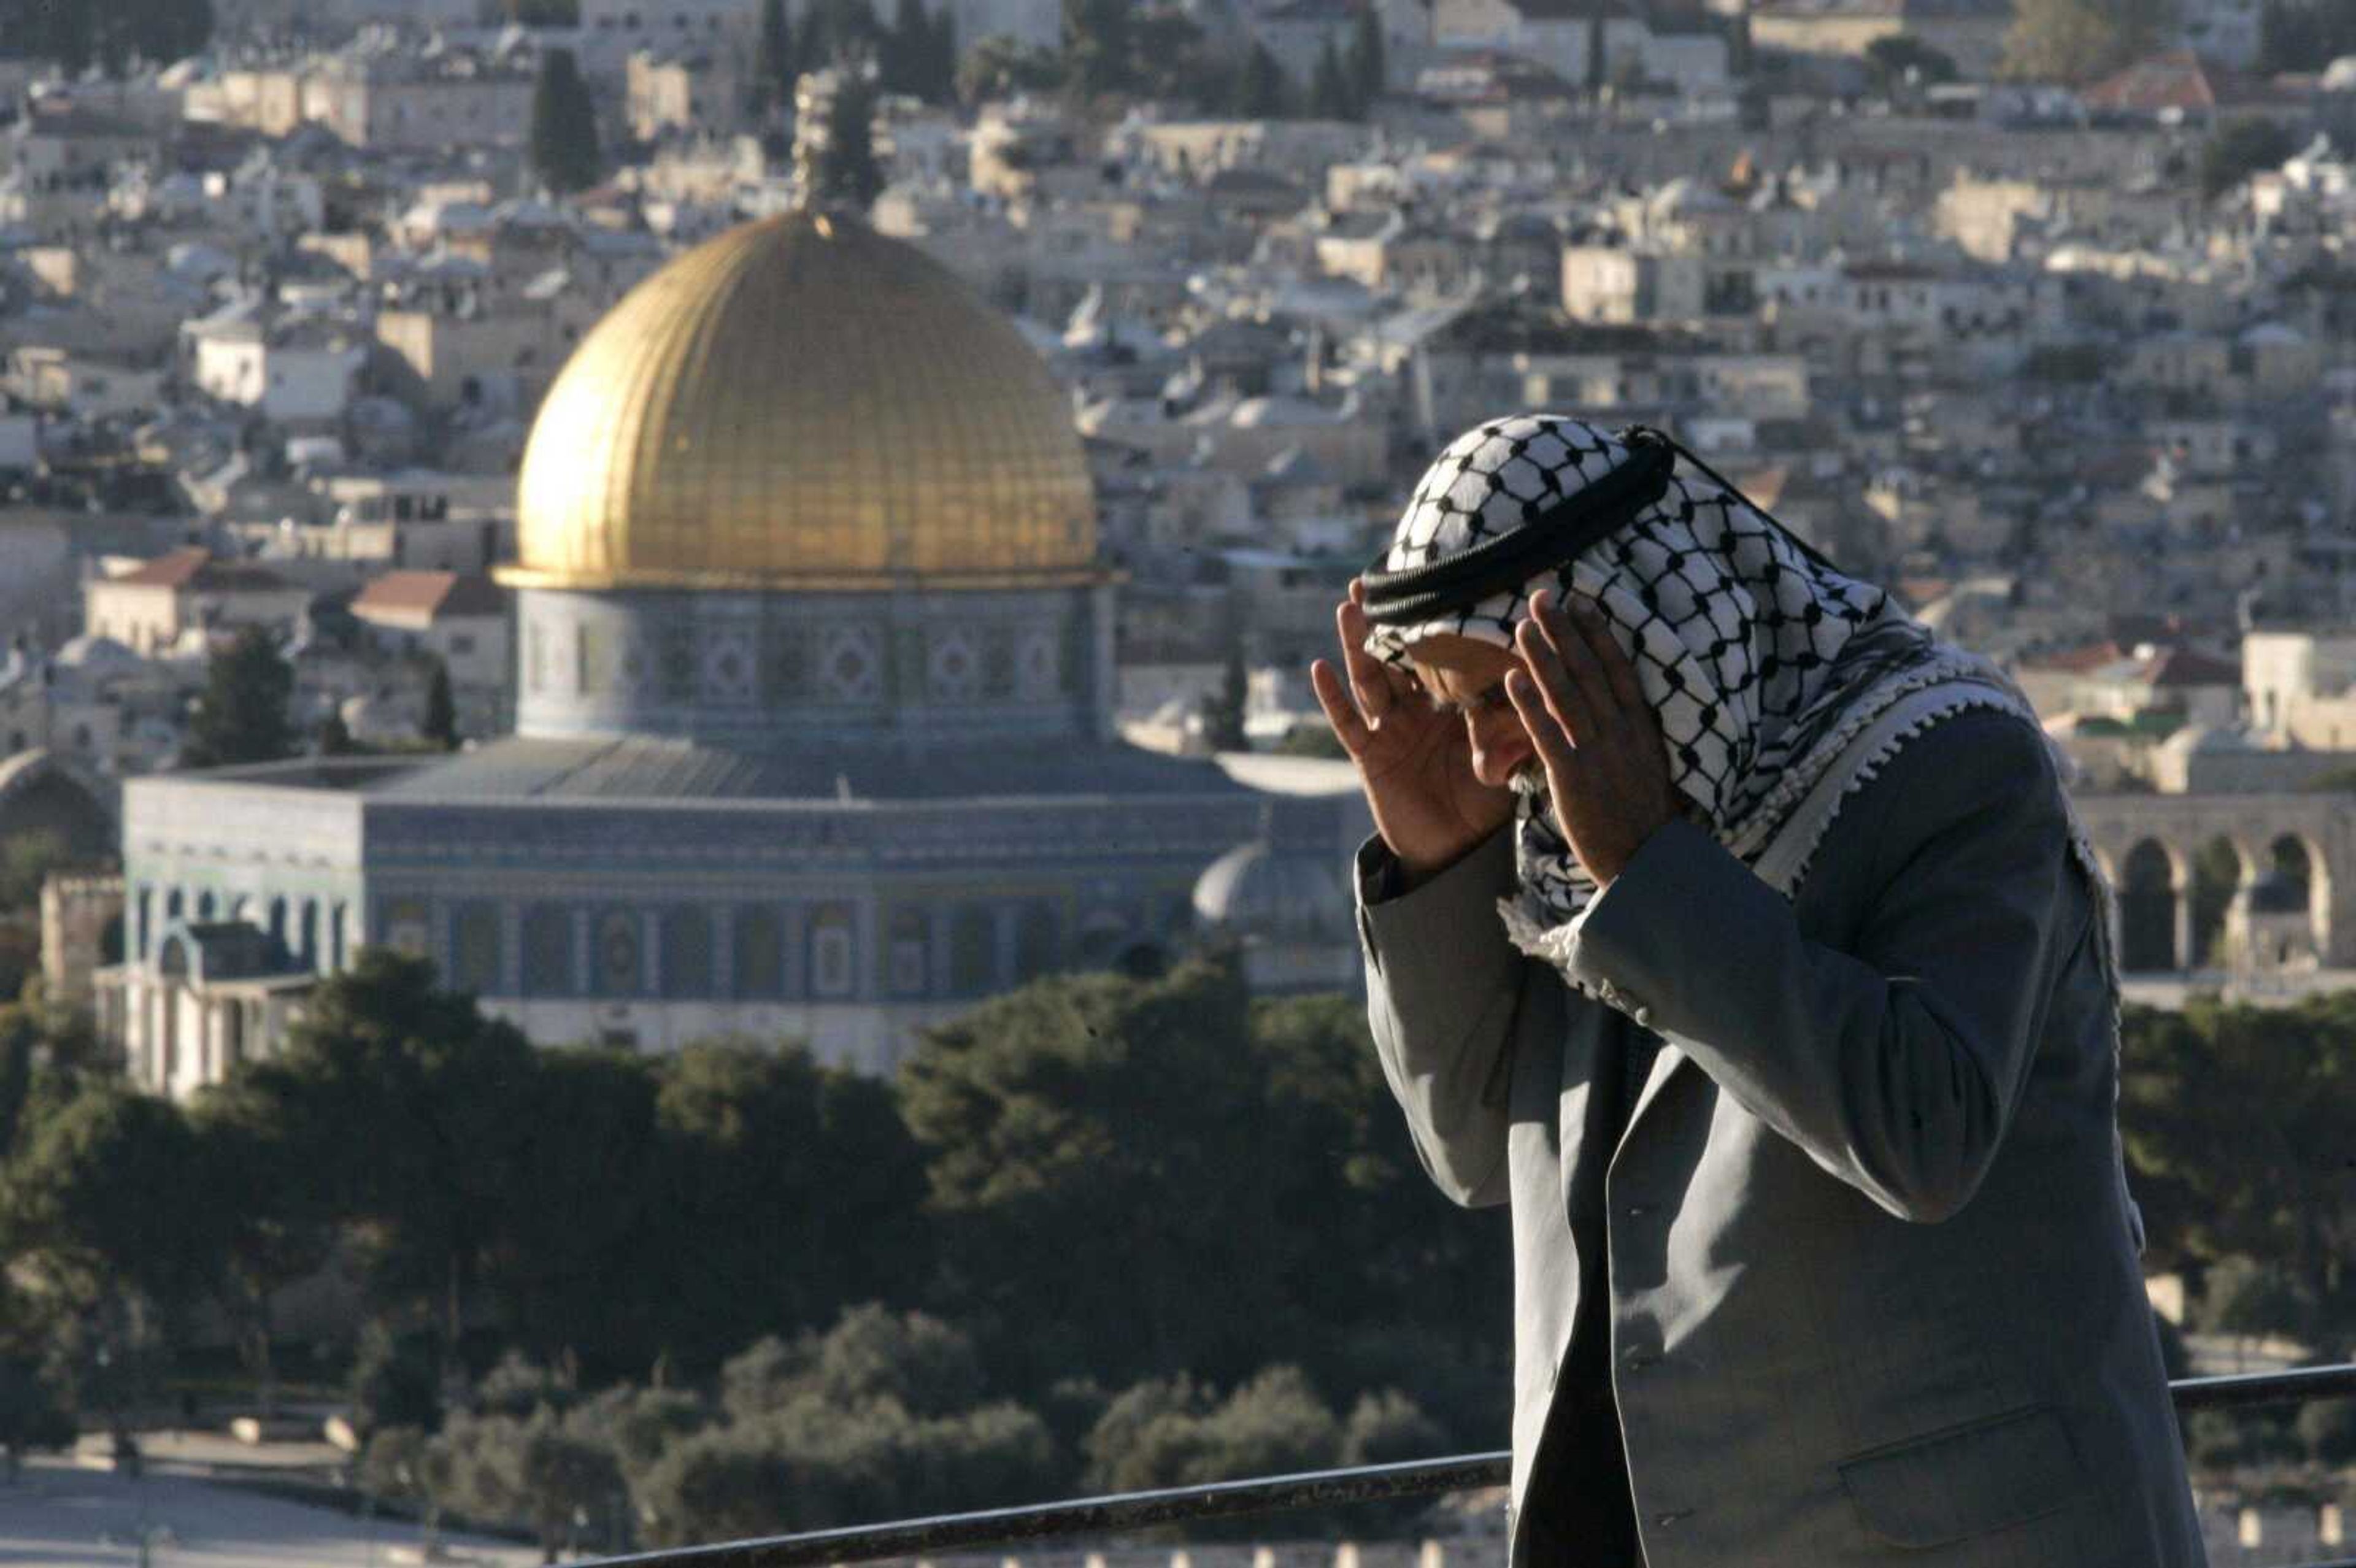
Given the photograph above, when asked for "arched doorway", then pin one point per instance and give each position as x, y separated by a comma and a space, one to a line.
2147, 910
2297, 880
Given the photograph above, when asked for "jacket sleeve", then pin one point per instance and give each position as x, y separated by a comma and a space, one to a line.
1895, 1066
1442, 986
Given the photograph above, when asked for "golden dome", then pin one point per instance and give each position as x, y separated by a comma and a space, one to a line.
802, 402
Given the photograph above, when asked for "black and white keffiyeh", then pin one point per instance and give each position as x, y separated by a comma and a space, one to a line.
1759, 660
1781, 684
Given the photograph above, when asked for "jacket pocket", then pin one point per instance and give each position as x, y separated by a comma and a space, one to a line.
1962, 1481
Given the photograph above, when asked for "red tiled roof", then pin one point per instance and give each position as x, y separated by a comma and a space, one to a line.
2080, 660
2176, 80
174, 569
428, 594
2188, 667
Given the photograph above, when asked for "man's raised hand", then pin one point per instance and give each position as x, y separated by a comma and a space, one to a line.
1414, 761
1578, 698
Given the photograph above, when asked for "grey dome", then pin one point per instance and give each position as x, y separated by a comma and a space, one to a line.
1263, 890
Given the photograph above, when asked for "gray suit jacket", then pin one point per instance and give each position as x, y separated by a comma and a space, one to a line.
1874, 1289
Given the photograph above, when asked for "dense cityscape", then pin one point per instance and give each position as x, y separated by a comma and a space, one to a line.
657, 772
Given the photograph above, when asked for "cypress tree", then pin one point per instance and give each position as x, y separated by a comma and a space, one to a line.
1099, 46
441, 711
941, 87
1261, 94
1369, 65
1329, 94
841, 169
901, 55
1223, 711
774, 65
336, 736
564, 125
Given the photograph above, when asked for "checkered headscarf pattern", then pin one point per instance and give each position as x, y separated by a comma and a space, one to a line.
1747, 650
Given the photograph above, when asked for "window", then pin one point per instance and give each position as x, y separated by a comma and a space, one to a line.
475, 950
760, 952
404, 926
830, 952
1035, 943
687, 952
547, 952
308, 939
620, 969
973, 951
1104, 935
911, 951
461, 642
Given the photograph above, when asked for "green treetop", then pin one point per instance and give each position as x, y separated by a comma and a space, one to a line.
242, 717
564, 125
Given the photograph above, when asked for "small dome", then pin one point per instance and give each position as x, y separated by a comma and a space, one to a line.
1260, 889
94, 655
2203, 739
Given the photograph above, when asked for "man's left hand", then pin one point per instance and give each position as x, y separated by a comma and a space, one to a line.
1596, 735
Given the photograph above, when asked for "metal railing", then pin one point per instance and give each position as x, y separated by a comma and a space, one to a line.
1315, 1489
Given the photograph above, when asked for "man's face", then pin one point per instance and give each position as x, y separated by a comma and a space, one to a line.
1465, 678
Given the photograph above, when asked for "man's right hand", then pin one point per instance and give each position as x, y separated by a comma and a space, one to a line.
1414, 761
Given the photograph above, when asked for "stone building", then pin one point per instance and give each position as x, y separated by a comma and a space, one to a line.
813, 721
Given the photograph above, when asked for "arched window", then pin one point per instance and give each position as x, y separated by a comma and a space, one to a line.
687, 952
143, 926
620, 967
910, 952
278, 922
760, 951
341, 937
833, 957
547, 952
204, 906
309, 948
405, 928
175, 902
475, 955
1102, 937
973, 951
1037, 943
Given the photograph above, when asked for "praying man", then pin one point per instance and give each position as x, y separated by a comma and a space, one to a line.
1741, 935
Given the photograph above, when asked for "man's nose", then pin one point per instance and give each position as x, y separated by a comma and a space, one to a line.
1500, 745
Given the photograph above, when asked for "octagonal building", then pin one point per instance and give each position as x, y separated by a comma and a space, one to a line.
814, 738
